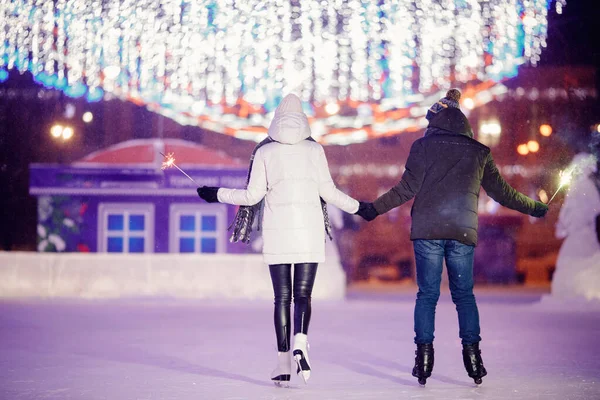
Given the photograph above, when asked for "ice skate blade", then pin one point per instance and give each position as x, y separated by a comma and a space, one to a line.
282, 384
303, 372
422, 381
281, 378
478, 381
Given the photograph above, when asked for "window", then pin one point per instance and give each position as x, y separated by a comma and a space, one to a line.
126, 227
197, 228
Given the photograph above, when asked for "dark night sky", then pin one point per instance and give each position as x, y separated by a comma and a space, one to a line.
574, 36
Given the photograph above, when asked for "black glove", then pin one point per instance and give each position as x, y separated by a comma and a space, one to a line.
208, 194
540, 210
367, 211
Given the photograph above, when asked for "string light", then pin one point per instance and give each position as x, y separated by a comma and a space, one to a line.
198, 61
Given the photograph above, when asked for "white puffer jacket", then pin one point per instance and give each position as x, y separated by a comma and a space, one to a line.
292, 173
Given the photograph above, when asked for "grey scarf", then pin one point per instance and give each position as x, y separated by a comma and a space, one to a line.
244, 218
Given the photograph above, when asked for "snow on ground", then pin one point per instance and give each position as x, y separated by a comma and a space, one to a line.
360, 349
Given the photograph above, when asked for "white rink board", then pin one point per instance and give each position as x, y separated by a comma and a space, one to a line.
103, 275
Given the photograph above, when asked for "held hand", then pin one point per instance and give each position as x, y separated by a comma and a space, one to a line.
208, 194
540, 210
367, 211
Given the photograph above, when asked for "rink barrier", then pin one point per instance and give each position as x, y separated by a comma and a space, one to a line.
103, 275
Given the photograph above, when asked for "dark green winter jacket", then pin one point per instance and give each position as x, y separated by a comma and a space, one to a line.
444, 173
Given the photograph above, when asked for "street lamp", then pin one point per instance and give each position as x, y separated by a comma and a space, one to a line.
533, 146
67, 133
60, 131
545, 130
56, 130
522, 149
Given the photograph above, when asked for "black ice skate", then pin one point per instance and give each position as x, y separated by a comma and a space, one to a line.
423, 362
473, 362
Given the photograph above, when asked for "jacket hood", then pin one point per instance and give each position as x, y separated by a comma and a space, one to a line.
451, 120
290, 125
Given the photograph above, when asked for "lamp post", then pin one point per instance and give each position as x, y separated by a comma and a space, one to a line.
64, 132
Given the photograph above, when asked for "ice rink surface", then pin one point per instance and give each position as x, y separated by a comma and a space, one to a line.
361, 348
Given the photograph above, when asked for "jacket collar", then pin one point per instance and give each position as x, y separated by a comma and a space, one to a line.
433, 130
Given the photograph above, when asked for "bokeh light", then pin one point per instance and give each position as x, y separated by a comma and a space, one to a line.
533, 146
522, 149
87, 117
386, 55
468, 103
545, 130
56, 130
332, 108
543, 196
67, 133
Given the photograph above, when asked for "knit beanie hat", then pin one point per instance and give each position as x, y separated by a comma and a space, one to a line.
451, 100
453, 94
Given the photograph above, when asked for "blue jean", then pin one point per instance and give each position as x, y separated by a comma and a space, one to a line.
429, 257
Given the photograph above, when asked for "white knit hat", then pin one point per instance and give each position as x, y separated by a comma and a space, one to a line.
290, 103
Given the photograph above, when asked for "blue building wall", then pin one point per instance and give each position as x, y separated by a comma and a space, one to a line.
74, 204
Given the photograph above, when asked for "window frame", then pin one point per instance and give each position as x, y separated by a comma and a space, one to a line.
126, 209
176, 210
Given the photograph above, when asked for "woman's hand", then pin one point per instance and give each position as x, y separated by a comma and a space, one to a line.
367, 211
208, 194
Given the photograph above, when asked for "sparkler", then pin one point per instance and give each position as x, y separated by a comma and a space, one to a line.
581, 165
170, 162
565, 179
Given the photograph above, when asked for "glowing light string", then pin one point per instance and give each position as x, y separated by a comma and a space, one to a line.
225, 64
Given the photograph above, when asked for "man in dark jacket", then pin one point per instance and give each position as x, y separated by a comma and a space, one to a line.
444, 173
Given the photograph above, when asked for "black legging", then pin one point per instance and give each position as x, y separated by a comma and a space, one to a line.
304, 278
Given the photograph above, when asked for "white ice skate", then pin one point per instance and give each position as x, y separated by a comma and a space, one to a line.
281, 374
301, 356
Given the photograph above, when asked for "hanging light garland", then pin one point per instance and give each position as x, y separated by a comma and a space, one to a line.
225, 64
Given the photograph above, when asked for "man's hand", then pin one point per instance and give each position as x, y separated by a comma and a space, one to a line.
367, 211
540, 210
208, 194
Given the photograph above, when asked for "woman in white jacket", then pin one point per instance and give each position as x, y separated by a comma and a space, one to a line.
292, 175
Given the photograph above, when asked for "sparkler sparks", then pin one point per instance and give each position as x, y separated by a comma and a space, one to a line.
170, 162
578, 167
565, 179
